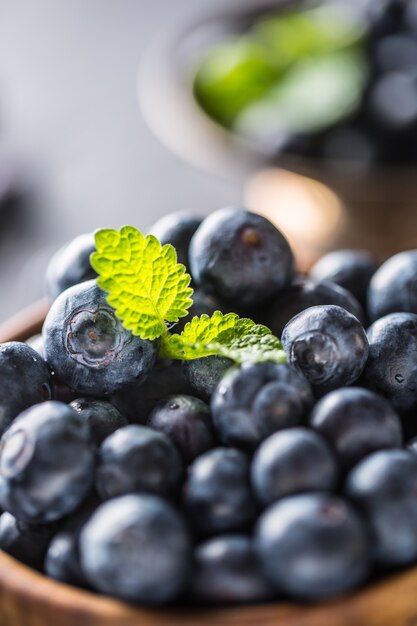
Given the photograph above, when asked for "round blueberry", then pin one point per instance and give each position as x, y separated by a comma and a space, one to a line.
87, 346
205, 374
391, 369
328, 345
393, 289
186, 421
62, 559
139, 399
356, 422
138, 459
292, 461
217, 495
227, 571
301, 295
47, 463
25, 542
137, 548
384, 487
350, 269
177, 228
70, 265
241, 257
313, 546
253, 401
103, 417
26, 380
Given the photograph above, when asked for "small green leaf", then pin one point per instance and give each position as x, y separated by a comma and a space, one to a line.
239, 339
147, 286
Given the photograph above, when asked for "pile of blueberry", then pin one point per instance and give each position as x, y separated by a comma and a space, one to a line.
207, 482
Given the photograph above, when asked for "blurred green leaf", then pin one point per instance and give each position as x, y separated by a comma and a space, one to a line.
231, 76
293, 36
314, 94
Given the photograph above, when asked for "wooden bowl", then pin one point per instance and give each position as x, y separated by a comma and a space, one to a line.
379, 203
27, 598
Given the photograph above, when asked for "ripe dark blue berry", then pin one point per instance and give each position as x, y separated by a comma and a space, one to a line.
186, 421
393, 288
103, 418
227, 571
47, 463
313, 546
328, 345
217, 495
292, 461
391, 369
177, 229
240, 257
138, 459
165, 379
137, 548
356, 422
384, 487
253, 401
87, 346
350, 269
205, 374
70, 265
25, 379
25, 542
301, 295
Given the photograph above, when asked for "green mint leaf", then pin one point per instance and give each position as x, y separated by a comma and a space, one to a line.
239, 339
147, 286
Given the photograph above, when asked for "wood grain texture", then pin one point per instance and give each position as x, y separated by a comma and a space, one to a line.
28, 598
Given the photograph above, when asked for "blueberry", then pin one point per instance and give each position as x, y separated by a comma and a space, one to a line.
87, 346
356, 422
103, 418
205, 374
392, 364
313, 546
241, 257
26, 380
46, 463
227, 571
177, 229
138, 459
139, 399
328, 345
62, 559
253, 401
186, 421
393, 288
137, 548
70, 265
292, 461
350, 269
412, 445
303, 294
25, 542
217, 493
384, 487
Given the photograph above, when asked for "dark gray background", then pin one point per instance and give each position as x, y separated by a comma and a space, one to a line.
70, 121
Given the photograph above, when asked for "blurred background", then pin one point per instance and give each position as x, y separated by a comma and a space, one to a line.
73, 143
303, 110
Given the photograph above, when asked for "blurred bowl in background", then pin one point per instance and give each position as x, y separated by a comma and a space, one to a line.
354, 206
